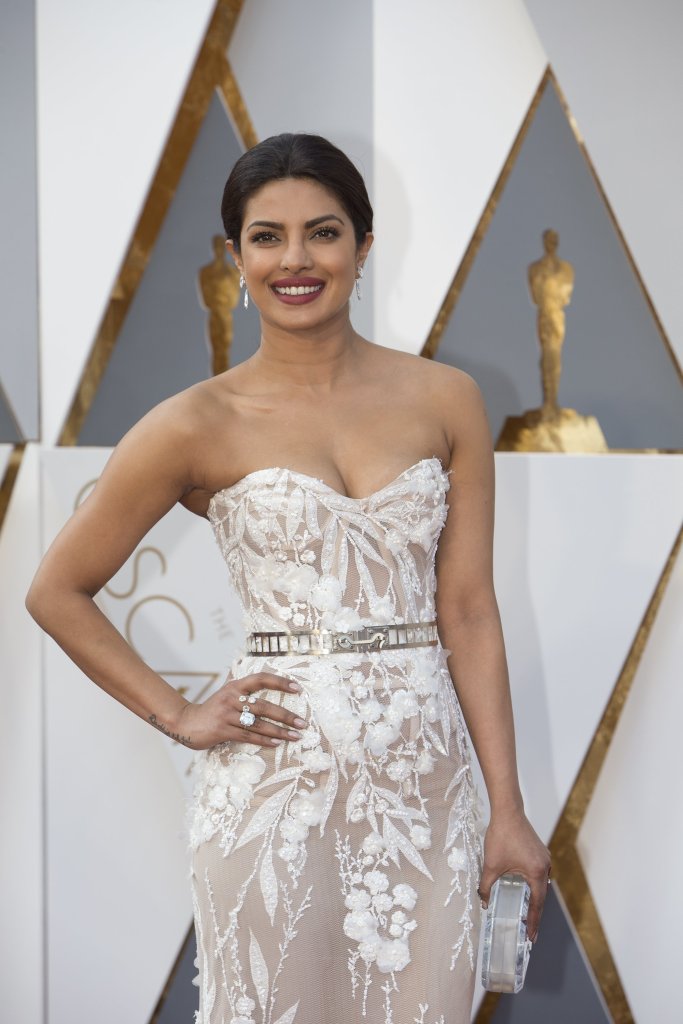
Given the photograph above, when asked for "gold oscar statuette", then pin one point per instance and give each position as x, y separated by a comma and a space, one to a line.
219, 292
551, 428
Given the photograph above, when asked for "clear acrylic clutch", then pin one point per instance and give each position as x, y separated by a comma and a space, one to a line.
506, 946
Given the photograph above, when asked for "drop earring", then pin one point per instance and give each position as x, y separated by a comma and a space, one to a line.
246, 293
360, 274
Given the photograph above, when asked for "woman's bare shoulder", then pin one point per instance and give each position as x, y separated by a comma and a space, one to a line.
437, 379
192, 411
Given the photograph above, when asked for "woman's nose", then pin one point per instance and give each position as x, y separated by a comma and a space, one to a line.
295, 257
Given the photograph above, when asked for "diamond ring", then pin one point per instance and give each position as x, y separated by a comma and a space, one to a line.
251, 697
247, 718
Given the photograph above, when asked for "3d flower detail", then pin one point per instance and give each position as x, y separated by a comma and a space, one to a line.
457, 859
293, 830
395, 541
344, 620
306, 807
370, 710
399, 770
404, 895
382, 902
360, 925
373, 843
424, 762
383, 610
392, 955
326, 595
316, 759
357, 899
376, 881
379, 735
405, 702
421, 837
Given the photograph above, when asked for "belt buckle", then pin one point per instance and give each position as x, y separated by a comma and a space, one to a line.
378, 636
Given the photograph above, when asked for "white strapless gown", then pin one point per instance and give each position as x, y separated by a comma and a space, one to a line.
334, 877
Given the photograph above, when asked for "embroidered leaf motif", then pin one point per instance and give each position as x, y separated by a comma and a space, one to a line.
268, 880
329, 545
237, 531
394, 838
330, 793
287, 773
372, 819
367, 549
407, 814
289, 1015
295, 508
364, 576
455, 827
356, 788
343, 563
259, 970
312, 515
265, 815
397, 802
435, 738
462, 770
443, 715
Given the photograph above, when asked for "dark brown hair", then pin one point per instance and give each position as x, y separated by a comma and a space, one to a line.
295, 156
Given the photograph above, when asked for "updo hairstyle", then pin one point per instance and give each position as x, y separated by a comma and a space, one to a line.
295, 156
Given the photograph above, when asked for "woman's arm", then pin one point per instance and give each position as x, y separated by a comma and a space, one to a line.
151, 468
469, 626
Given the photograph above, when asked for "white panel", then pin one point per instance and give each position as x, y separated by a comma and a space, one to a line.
110, 77
619, 65
634, 824
21, 762
5, 452
307, 67
118, 892
453, 82
580, 542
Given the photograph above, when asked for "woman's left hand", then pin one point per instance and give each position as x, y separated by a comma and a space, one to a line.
512, 847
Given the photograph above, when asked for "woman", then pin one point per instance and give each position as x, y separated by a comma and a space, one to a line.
337, 848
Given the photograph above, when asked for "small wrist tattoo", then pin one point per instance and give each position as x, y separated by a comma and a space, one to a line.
185, 740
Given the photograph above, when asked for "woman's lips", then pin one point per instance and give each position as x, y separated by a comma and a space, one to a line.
297, 291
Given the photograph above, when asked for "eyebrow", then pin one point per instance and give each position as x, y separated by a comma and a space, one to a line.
280, 227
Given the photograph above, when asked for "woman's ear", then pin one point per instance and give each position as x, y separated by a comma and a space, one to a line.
234, 252
364, 248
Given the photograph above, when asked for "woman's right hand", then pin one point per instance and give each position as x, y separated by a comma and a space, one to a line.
200, 726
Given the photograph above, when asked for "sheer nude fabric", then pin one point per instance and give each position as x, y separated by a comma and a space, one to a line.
334, 877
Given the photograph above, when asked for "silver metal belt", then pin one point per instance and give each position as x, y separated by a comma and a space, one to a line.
327, 641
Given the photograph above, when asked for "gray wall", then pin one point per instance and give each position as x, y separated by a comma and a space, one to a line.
615, 364
162, 347
18, 239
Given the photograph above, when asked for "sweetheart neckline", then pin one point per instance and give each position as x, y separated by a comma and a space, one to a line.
318, 480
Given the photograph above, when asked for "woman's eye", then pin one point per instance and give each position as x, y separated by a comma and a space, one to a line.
263, 236
326, 233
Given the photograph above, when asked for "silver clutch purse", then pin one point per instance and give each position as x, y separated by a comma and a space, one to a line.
506, 946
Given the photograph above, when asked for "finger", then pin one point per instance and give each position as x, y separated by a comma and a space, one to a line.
275, 682
488, 877
263, 708
266, 730
539, 891
246, 734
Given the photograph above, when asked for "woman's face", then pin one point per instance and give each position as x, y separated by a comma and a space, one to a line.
298, 254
